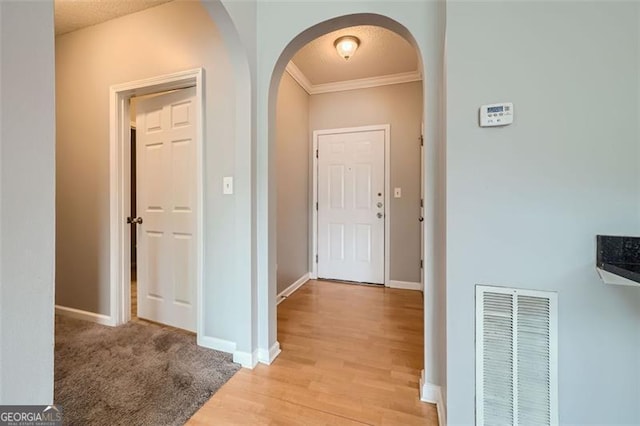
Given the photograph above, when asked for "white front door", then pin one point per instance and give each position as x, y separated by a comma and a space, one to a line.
351, 206
166, 202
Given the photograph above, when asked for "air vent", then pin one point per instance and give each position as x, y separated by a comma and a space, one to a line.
516, 357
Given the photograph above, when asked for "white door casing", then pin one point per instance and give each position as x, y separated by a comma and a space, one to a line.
421, 219
351, 198
166, 159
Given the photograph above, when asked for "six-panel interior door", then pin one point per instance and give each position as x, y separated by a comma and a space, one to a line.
166, 201
351, 206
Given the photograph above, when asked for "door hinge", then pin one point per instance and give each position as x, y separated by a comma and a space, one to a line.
421, 264
316, 205
317, 153
316, 258
421, 202
421, 140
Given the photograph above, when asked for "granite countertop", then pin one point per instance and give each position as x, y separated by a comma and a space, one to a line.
619, 255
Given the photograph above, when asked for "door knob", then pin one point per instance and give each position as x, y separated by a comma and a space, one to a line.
379, 215
134, 220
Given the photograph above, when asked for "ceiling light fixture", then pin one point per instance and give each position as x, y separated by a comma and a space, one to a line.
346, 46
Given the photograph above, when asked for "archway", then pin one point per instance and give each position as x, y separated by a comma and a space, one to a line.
430, 49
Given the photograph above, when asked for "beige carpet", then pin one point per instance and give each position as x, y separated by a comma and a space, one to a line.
136, 374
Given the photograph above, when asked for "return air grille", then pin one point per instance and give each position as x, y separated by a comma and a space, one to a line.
516, 357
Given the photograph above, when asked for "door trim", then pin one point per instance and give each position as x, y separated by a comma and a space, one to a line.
386, 128
119, 186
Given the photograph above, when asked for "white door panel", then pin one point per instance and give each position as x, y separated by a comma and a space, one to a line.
350, 198
166, 201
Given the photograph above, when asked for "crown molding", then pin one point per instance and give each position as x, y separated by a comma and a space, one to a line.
299, 76
365, 83
361, 83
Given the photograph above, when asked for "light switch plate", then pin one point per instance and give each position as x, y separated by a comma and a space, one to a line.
227, 185
397, 192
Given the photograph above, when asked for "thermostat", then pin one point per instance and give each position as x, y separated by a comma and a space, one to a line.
496, 114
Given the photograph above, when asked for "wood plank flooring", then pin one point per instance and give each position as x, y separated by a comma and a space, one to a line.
351, 355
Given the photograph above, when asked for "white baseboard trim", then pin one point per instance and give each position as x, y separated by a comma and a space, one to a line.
217, 344
293, 287
246, 359
268, 356
405, 285
85, 315
433, 394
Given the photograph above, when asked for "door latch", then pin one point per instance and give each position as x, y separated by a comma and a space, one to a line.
134, 220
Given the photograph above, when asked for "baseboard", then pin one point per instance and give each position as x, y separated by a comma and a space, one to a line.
246, 359
433, 394
217, 344
405, 285
293, 287
268, 356
85, 315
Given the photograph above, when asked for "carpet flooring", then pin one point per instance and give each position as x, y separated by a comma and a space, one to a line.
135, 374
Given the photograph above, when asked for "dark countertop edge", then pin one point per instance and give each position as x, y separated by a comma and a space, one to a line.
618, 250
621, 271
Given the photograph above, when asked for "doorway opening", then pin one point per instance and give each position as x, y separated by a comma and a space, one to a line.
167, 108
133, 210
347, 164
348, 155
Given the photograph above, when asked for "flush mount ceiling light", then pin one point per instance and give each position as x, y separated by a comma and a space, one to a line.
346, 46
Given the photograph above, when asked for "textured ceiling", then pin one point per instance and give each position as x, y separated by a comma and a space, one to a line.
71, 15
381, 52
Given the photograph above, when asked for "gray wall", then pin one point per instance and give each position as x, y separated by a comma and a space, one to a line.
172, 37
399, 105
26, 202
525, 202
292, 163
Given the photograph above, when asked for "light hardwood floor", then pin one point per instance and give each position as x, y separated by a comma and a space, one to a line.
351, 354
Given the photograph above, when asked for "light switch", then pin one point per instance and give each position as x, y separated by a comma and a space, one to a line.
397, 192
227, 185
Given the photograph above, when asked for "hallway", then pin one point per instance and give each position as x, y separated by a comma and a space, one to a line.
351, 354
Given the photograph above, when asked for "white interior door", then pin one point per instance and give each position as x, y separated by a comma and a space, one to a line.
351, 206
166, 201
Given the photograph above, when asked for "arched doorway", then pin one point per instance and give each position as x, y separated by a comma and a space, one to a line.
430, 44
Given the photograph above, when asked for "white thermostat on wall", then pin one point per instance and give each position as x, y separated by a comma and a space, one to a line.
496, 114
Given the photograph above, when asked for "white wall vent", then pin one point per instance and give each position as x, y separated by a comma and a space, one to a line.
516, 357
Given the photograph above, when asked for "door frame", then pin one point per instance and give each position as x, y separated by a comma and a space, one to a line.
422, 207
120, 186
386, 128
